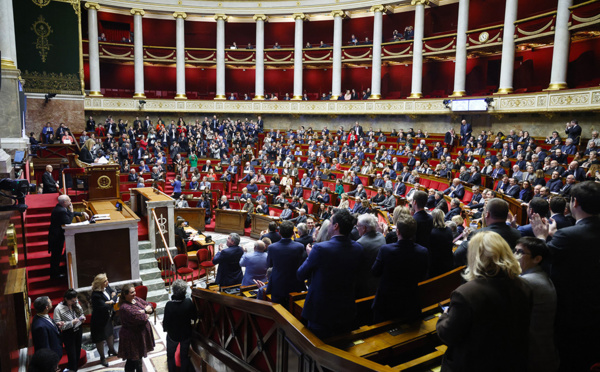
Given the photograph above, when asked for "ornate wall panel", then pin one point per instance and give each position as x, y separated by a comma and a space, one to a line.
48, 45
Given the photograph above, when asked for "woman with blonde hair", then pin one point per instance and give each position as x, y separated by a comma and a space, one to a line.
103, 298
344, 203
494, 301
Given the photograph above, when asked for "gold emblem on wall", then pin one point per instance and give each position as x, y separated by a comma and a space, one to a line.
42, 30
41, 3
104, 182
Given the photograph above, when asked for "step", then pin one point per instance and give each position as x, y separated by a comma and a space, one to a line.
154, 284
148, 263
146, 253
38, 217
144, 244
149, 274
35, 226
158, 295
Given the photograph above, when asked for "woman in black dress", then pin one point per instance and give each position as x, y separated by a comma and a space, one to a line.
102, 310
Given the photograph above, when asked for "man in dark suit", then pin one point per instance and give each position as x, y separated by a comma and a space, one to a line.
273, 189
513, 188
228, 259
557, 208
44, 332
400, 188
566, 189
450, 138
475, 177
465, 131
575, 171
424, 219
358, 130
371, 240
305, 238
456, 190
272, 234
402, 266
536, 205
48, 182
495, 214
333, 266
285, 257
62, 214
454, 210
573, 130
576, 277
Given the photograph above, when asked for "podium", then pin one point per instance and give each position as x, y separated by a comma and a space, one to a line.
196, 217
144, 200
260, 222
230, 221
109, 246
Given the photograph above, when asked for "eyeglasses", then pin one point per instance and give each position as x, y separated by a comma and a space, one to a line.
521, 252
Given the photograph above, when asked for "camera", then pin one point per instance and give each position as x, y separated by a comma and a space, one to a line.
18, 189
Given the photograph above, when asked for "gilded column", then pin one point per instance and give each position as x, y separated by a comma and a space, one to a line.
562, 43
508, 48
460, 66
336, 70
376, 64
138, 52
180, 53
259, 68
298, 55
221, 18
8, 44
93, 45
416, 90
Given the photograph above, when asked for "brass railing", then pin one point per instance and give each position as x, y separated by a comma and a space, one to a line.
164, 258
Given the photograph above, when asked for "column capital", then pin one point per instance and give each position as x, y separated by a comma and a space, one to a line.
301, 16
259, 17
180, 15
135, 11
220, 16
419, 2
90, 5
338, 13
380, 8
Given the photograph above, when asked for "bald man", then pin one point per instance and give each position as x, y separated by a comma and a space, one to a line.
62, 214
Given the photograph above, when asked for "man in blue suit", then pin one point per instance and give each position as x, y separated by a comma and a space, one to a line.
228, 259
44, 332
465, 132
536, 205
333, 266
285, 257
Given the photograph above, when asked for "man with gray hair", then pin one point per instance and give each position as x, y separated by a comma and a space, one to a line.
371, 240
255, 264
229, 271
305, 238
44, 332
180, 313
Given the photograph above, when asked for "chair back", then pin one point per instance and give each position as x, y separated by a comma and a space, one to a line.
202, 255
181, 260
141, 291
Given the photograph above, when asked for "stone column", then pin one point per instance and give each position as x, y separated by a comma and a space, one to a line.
259, 68
8, 44
376, 64
508, 48
336, 70
138, 52
93, 45
417, 67
562, 44
220, 94
180, 53
460, 67
298, 55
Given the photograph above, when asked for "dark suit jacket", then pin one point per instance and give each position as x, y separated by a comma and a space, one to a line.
305, 240
229, 272
49, 184
46, 336
510, 234
576, 276
60, 216
273, 236
401, 265
285, 257
333, 266
368, 283
424, 226
497, 306
561, 221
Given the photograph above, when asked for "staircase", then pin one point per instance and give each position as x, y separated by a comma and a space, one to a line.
150, 275
37, 224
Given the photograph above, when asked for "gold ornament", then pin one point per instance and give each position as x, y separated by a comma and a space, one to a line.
104, 182
42, 30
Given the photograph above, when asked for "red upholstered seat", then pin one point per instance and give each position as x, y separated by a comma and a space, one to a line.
142, 292
181, 265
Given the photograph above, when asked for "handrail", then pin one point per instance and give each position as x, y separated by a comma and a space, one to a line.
572, 7
539, 16
70, 266
162, 236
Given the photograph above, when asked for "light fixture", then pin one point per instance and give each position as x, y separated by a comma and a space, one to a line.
447, 103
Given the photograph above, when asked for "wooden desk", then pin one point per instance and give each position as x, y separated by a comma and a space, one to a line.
109, 246
194, 216
229, 220
260, 222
